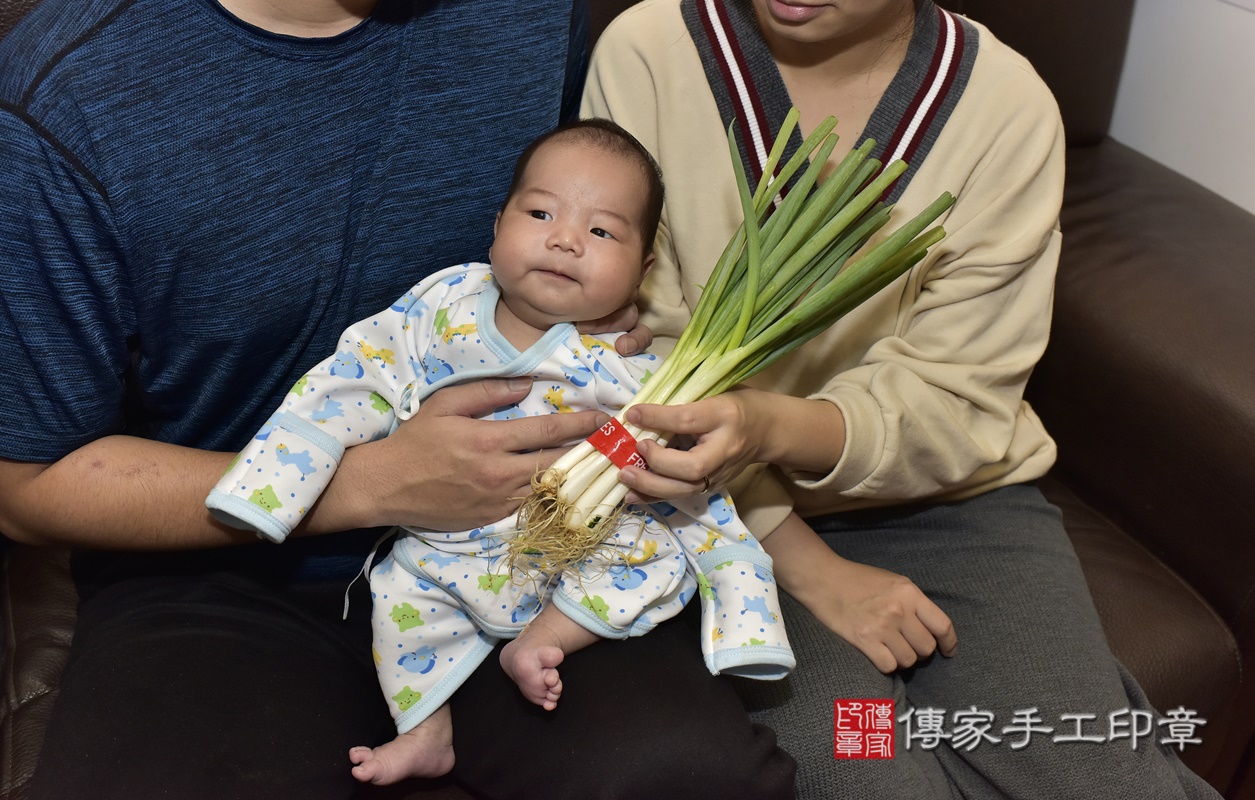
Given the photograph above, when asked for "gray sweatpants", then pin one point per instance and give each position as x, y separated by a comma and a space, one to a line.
1001, 566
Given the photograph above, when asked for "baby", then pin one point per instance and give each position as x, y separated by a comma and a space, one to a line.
572, 242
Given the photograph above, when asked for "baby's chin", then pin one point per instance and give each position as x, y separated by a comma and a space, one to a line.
544, 319
542, 312
548, 315
574, 319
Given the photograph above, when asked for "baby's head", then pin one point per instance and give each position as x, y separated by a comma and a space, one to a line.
613, 142
575, 236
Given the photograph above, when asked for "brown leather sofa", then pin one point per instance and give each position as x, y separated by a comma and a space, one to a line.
1148, 386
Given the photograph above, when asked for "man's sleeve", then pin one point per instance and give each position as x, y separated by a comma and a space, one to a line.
354, 396
577, 61
65, 299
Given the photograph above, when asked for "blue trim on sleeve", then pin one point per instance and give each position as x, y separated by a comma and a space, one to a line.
239, 513
733, 552
760, 662
311, 433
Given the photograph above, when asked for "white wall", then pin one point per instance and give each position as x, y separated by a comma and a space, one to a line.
1187, 93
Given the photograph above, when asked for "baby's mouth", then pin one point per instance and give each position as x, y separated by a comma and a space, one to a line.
555, 275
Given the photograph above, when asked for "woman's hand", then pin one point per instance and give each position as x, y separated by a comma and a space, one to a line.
883, 614
727, 436
638, 337
731, 431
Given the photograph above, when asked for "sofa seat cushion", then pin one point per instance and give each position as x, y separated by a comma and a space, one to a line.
1173, 642
38, 604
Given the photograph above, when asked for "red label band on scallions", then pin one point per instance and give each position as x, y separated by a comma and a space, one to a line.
616, 443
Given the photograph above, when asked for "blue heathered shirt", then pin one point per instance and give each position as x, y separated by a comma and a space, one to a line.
191, 208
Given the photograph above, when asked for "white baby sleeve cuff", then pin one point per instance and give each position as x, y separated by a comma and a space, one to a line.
274, 481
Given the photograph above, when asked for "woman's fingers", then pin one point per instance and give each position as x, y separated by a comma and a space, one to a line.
919, 636
691, 418
904, 652
903, 627
649, 485
939, 627
904, 648
638, 337
882, 657
681, 465
922, 643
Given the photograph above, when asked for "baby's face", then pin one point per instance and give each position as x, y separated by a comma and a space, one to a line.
568, 244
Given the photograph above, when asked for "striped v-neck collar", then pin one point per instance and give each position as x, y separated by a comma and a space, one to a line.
749, 91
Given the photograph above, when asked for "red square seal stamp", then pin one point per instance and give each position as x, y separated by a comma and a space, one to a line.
862, 728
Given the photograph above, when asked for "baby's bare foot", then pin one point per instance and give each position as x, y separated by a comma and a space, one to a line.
424, 751
533, 664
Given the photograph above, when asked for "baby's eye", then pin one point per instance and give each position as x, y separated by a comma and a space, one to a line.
538, 214
602, 233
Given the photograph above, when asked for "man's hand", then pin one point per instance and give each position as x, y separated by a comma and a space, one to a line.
446, 470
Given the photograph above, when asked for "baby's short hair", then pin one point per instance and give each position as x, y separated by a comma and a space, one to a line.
610, 137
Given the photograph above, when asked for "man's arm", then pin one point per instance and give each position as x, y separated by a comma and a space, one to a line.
117, 492
442, 469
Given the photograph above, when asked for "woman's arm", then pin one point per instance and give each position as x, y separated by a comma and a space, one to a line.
883, 614
732, 431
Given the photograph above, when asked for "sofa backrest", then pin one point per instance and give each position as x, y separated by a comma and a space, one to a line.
1077, 46
11, 11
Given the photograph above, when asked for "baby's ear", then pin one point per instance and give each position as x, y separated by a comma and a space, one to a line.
647, 264
496, 221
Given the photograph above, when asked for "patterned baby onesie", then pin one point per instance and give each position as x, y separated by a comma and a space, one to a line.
451, 600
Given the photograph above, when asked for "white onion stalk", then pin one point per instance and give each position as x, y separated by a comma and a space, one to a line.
779, 283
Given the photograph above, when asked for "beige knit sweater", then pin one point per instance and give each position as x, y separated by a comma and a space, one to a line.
929, 374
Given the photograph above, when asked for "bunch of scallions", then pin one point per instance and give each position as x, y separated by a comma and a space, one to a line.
779, 283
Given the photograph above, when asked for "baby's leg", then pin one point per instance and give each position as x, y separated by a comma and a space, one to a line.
532, 659
424, 751
424, 644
